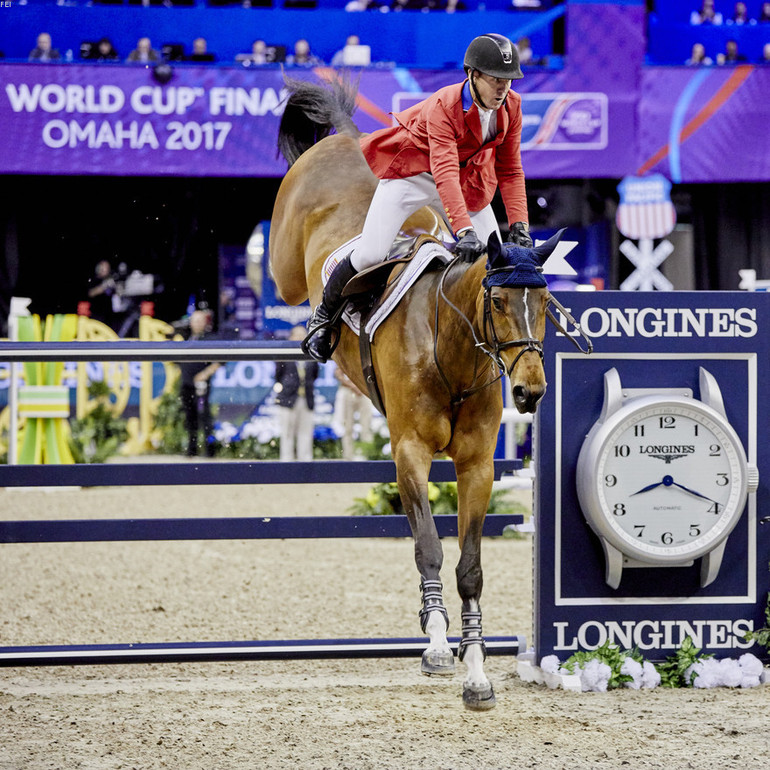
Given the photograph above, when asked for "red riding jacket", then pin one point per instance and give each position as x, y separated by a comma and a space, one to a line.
442, 135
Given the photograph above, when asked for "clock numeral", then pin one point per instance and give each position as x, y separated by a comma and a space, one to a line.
619, 509
716, 508
610, 480
667, 421
695, 428
715, 450
622, 450
638, 430
666, 538
694, 530
722, 480
639, 529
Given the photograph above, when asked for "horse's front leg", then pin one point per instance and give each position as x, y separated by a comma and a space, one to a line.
413, 465
474, 490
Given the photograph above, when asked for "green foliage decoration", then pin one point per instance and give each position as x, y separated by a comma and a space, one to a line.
99, 434
673, 671
169, 434
384, 500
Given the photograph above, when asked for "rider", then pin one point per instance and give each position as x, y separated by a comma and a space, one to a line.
451, 151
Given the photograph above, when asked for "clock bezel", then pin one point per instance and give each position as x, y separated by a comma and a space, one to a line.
590, 473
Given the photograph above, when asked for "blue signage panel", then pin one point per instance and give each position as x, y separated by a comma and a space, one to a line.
655, 341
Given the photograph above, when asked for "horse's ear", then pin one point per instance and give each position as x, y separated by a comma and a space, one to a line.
544, 250
494, 247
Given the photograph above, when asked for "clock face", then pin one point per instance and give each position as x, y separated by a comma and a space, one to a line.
667, 479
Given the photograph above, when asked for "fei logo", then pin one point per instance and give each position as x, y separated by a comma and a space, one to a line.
557, 121
564, 121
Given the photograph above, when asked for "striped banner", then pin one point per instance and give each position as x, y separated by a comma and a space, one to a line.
44, 401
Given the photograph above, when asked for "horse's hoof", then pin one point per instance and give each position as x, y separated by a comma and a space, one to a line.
438, 663
481, 699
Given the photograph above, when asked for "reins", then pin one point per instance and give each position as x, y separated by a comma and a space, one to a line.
493, 350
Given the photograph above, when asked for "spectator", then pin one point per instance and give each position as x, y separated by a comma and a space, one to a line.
527, 56
195, 388
706, 14
339, 58
105, 51
200, 52
144, 52
764, 14
731, 54
698, 56
295, 398
765, 58
43, 50
348, 403
740, 15
102, 294
257, 56
302, 57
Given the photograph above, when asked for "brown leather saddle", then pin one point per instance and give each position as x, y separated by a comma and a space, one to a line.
368, 290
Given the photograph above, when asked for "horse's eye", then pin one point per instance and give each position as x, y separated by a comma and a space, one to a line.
497, 303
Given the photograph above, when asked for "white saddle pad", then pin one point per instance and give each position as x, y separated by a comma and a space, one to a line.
414, 269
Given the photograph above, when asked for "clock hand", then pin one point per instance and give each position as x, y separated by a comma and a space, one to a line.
692, 492
648, 487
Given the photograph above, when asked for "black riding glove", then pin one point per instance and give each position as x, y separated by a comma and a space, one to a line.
518, 235
469, 248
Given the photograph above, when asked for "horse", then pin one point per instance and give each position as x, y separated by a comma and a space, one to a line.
437, 358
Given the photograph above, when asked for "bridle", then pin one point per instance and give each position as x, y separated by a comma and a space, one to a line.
491, 345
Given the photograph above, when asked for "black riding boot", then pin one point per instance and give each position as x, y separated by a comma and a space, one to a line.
323, 328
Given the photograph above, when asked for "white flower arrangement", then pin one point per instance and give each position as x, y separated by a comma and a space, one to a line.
608, 667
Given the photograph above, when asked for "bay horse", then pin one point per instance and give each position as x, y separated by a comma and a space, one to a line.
437, 358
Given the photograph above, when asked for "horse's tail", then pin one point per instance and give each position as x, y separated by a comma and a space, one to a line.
312, 112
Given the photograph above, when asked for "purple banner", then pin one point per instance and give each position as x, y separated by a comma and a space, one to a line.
120, 121
705, 124
217, 121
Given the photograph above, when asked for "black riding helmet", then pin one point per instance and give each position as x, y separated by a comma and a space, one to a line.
494, 55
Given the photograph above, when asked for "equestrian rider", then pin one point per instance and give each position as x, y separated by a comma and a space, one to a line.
450, 151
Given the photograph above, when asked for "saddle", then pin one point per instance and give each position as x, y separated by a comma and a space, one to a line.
369, 290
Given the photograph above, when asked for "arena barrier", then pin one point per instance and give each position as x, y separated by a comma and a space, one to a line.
237, 528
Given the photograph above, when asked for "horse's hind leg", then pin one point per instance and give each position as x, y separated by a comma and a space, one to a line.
474, 489
413, 464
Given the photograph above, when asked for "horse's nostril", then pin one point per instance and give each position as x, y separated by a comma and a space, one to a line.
526, 400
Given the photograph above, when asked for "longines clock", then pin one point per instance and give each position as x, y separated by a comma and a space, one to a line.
662, 477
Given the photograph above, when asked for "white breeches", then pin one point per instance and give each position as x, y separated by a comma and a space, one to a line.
393, 202
297, 424
346, 405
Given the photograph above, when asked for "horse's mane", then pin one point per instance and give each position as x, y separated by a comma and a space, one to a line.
312, 112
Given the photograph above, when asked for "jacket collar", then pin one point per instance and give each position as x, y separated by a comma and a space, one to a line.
471, 112
472, 119
467, 96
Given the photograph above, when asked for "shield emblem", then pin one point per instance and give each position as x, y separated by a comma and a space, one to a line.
645, 209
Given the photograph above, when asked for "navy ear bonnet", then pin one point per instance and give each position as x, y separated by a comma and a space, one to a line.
517, 267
